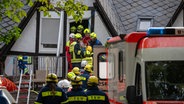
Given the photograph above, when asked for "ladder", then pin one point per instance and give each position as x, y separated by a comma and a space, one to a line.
25, 83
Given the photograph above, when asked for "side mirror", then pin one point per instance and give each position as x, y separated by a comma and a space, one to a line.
131, 94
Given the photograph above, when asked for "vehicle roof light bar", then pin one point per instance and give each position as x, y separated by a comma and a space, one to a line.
162, 31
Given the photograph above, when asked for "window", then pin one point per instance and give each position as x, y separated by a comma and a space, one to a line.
164, 80
105, 67
121, 77
138, 80
49, 30
144, 23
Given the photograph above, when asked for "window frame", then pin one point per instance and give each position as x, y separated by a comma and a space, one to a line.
142, 19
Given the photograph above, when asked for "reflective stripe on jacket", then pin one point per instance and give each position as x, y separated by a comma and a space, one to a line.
77, 96
96, 96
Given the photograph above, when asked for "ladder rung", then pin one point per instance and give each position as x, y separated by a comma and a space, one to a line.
23, 97
25, 82
23, 90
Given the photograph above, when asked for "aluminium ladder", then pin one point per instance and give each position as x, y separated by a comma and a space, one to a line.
29, 86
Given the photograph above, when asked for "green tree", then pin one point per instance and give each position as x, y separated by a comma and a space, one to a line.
13, 10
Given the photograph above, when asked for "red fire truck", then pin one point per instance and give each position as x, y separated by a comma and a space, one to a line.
143, 67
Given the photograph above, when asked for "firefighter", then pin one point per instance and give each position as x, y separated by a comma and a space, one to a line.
87, 71
73, 29
68, 51
76, 71
88, 55
95, 96
77, 94
70, 75
51, 93
77, 53
22, 64
94, 40
80, 29
86, 39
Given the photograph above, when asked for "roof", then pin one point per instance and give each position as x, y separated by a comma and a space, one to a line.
7, 24
129, 11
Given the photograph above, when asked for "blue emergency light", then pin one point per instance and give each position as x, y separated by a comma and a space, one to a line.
165, 31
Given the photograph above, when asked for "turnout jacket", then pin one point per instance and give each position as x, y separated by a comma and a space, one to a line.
77, 96
96, 96
46, 97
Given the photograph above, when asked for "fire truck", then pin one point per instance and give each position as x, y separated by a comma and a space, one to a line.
143, 67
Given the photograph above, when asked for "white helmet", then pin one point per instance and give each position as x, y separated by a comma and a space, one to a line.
72, 35
64, 83
84, 63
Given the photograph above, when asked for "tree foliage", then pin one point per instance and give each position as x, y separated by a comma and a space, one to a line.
13, 9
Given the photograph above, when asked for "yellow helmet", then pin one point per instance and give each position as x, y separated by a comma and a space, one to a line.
73, 29
88, 68
93, 35
86, 31
19, 57
80, 28
76, 71
70, 75
52, 77
76, 80
93, 80
78, 36
89, 48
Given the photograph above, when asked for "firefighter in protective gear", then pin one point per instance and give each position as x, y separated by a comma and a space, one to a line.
22, 62
76, 71
86, 39
51, 93
95, 96
77, 53
68, 50
94, 40
88, 55
77, 94
73, 29
80, 29
85, 75
70, 75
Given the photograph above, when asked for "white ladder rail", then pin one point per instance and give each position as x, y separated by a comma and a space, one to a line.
29, 88
20, 81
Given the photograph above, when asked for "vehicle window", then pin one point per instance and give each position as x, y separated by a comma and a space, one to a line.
164, 80
121, 66
105, 67
138, 80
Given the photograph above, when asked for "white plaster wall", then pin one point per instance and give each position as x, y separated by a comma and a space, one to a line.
89, 2
100, 29
179, 20
9, 65
26, 43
